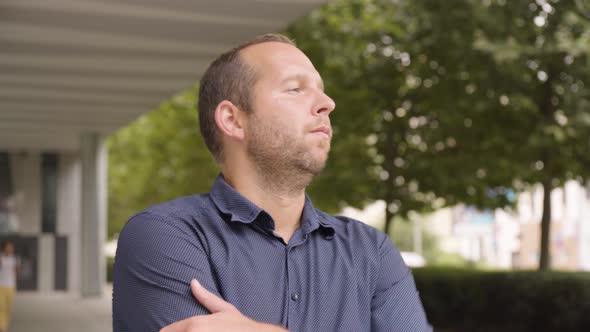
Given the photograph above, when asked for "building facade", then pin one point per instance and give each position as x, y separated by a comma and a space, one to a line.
511, 239
57, 227
507, 239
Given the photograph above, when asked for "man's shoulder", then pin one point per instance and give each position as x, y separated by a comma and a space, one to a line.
186, 205
186, 210
368, 243
185, 217
352, 228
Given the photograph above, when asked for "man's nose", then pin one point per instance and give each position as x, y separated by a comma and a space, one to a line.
325, 104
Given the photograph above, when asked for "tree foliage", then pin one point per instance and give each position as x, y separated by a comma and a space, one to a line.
399, 73
457, 101
158, 157
438, 103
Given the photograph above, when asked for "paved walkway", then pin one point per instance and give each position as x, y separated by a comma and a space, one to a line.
61, 312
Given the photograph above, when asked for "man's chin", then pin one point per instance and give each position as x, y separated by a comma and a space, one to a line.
317, 165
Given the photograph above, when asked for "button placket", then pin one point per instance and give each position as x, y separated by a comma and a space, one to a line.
293, 292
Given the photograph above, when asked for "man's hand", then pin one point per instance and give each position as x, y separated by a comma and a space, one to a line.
224, 316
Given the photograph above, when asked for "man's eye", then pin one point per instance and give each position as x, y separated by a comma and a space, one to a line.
295, 90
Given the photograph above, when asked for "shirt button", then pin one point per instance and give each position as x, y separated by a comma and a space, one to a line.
295, 296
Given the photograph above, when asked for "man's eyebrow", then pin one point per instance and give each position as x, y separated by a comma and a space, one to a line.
302, 78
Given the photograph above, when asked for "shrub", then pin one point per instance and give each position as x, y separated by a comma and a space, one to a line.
472, 300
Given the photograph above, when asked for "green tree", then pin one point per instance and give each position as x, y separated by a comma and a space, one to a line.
438, 102
457, 101
397, 71
541, 50
158, 157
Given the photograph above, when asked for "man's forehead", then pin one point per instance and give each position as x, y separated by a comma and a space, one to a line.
276, 55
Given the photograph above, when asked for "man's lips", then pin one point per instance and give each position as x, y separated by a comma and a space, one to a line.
322, 130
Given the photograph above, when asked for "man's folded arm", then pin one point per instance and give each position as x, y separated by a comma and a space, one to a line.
396, 305
155, 262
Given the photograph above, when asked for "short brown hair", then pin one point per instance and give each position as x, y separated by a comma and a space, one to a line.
228, 78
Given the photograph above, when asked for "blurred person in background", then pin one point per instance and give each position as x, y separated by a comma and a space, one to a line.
8, 272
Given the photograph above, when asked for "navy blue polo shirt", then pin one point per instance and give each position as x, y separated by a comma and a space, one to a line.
334, 274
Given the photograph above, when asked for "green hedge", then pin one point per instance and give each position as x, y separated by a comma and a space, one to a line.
461, 300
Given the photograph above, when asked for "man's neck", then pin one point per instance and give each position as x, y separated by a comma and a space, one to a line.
284, 205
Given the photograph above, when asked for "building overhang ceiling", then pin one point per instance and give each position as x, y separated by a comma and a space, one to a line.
74, 66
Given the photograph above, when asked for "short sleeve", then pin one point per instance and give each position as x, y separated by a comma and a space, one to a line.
396, 305
155, 261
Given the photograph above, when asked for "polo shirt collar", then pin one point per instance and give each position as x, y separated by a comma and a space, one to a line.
240, 209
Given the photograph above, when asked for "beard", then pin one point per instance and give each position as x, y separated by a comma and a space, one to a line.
284, 159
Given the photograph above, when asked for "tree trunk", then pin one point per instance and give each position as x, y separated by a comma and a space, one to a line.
388, 220
545, 257
548, 110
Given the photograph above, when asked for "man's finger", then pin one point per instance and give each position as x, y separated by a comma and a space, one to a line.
209, 300
180, 326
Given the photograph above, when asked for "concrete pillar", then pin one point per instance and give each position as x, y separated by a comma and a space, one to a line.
68, 214
93, 155
46, 266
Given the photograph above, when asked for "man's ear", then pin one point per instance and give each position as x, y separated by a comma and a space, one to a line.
230, 120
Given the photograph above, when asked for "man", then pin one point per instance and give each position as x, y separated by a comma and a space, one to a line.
263, 258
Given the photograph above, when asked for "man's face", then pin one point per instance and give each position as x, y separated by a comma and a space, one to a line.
289, 125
